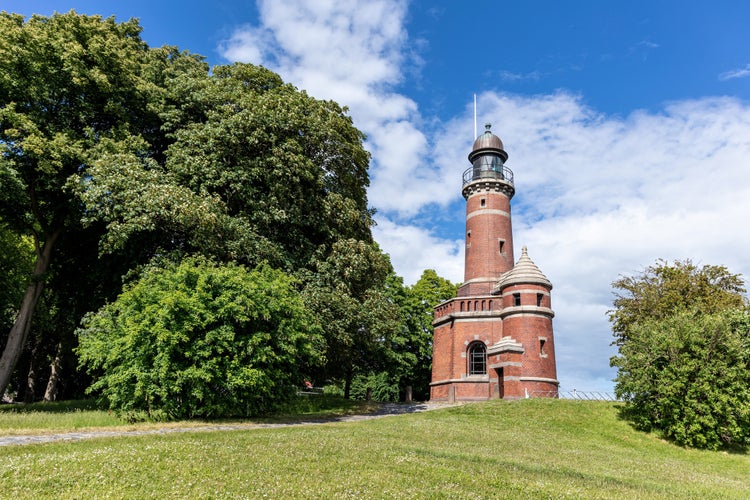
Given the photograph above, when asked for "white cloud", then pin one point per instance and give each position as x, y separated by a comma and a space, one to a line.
353, 52
597, 196
414, 249
735, 73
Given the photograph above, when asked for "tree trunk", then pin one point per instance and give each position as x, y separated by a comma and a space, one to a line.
20, 329
30, 392
50, 394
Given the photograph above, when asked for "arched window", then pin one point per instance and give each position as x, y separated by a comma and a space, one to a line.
477, 358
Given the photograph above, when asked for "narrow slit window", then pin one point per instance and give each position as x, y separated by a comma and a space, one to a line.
542, 351
539, 299
482, 202
501, 245
516, 299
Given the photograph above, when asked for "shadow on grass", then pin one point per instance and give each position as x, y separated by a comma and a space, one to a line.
630, 415
53, 407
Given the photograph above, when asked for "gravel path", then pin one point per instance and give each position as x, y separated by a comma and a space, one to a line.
385, 410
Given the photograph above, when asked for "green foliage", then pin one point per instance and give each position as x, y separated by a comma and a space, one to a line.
16, 257
382, 385
421, 299
201, 340
664, 289
688, 376
291, 169
360, 321
108, 144
684, 354
68, 83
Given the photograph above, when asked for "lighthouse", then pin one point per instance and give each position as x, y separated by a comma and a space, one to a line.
495, 338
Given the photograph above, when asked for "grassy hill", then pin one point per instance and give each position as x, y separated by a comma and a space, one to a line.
523, 449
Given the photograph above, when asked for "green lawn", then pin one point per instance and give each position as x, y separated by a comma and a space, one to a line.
523, 449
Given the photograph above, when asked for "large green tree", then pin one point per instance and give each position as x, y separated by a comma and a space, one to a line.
290, 169
684, 353
197, 339
361, 321
688, 376
146, 152
66, 83
666, 288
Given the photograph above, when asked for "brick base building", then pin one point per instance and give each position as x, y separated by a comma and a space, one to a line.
494, 340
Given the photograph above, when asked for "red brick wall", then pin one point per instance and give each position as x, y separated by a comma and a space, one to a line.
486, 226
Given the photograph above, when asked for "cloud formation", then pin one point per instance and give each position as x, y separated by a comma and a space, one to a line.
735, 73
601, 196
597, 196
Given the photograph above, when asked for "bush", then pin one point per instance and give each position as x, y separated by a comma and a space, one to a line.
688, 376
197, 339
383, 387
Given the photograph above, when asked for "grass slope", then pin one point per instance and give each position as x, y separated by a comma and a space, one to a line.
523, 449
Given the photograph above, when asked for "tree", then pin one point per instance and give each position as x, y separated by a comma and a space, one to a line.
684, 353
16, 257
418, 309
347, 292
66, 83
146, 152
290, 169
664, 289
198, 339
688, 376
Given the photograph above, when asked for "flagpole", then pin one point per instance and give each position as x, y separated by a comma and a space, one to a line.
475, 117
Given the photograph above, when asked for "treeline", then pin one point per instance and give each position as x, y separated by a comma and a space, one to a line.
186, 240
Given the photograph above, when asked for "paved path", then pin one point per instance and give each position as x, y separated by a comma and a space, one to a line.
385, 410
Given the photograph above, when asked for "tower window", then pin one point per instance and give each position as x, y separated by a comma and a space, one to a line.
516, 299
477, 358
542, 352
482, 202
501, 245
539, 298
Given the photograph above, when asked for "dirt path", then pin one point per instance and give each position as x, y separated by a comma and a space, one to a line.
385, 410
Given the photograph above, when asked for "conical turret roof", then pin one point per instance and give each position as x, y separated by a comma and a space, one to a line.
524, 272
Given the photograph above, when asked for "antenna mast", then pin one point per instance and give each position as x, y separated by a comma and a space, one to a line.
475, 117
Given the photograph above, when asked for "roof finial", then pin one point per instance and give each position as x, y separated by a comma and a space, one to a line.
487, 127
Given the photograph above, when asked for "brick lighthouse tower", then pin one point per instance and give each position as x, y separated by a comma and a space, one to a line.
494, 340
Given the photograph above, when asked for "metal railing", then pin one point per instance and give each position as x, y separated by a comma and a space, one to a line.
575, 394
499, 172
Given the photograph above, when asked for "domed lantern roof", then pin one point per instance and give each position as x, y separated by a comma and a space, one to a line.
488, 143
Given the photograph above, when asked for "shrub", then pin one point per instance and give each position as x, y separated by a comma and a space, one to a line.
197, 339
688, 376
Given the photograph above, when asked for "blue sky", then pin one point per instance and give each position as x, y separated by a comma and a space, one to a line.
627, 125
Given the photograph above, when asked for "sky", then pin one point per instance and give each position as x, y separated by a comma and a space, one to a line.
627, 126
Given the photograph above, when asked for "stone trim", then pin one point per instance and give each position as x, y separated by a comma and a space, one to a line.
506, 344
461, 381
527, 311
482, 279
487, 211
540, 379
504, 364
522, 291
488, 185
